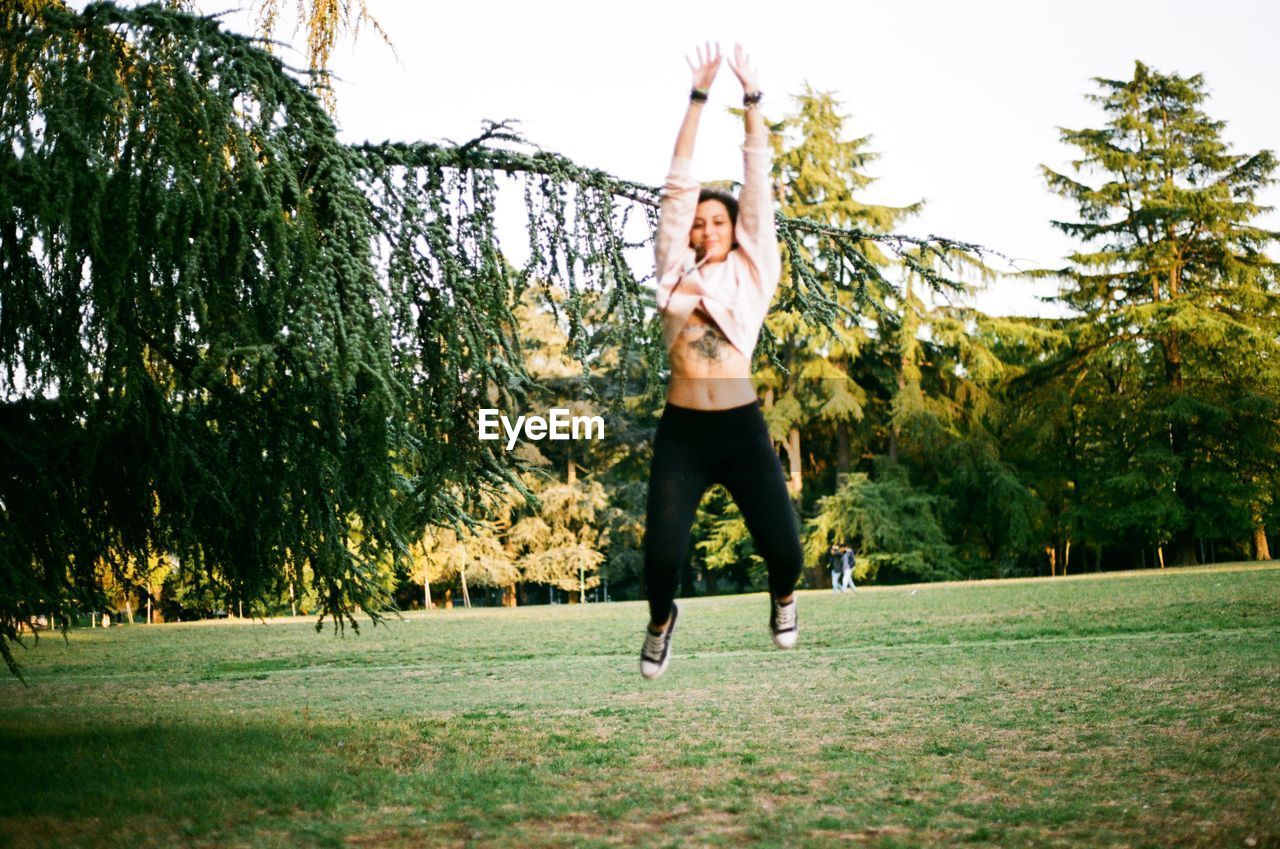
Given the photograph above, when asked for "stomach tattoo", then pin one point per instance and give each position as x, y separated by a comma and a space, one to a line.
702, 350
710, 344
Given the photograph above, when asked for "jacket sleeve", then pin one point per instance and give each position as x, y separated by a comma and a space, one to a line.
679, 205
756, 233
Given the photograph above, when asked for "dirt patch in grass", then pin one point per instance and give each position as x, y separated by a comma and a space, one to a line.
49, 830
877, 833
683, 825
135, 831
443, 834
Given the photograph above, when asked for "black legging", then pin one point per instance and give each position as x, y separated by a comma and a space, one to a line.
692, 450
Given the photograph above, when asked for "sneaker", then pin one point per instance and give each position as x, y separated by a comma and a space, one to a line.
657, 648
782, 623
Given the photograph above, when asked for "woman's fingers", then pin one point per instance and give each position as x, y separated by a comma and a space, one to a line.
706, 65
708, 62
706, 55
741, 65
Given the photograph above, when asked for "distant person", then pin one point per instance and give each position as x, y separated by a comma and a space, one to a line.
717, 270
847, 562
835, 562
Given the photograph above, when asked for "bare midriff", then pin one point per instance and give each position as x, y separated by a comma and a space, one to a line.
707, 371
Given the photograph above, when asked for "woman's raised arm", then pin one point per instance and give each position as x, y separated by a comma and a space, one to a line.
704, 74
741, 65
756, 233
680, 191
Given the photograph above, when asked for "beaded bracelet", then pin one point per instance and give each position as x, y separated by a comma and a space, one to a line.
698, 95
752, 99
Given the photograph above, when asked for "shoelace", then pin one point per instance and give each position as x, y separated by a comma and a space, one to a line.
653, 644
785, 616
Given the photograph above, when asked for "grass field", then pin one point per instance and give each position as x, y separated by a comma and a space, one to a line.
1133, 709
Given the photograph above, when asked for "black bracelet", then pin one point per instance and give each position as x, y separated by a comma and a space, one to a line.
698, 95
752, 99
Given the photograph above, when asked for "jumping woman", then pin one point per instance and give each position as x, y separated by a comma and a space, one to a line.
717, 271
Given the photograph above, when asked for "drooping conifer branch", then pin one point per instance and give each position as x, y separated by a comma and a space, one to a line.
577, 229
194, 347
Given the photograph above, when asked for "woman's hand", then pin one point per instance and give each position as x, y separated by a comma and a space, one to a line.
747, 75
704, 72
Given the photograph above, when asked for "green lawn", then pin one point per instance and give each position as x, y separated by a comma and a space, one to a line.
1136, 709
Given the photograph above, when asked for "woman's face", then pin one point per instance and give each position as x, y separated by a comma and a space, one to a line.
712, 233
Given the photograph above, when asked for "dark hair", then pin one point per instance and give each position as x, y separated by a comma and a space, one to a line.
730, 202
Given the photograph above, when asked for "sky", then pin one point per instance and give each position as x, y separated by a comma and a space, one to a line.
963, 101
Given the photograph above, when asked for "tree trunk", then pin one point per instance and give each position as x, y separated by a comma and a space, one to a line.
128, 603
907, 332
293, 600
1261, 551
687, 587
1183, 545
842, 447
509, 596
1052, 551
893, 430
466, 596
793, 456
1066, 556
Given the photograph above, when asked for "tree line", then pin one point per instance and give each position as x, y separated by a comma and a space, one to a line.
1139, 430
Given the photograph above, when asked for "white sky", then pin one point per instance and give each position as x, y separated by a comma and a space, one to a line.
963, 100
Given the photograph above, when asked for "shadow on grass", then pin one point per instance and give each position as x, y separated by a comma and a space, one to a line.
114, 780
197, 776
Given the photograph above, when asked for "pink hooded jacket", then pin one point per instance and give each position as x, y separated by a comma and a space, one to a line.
736, 293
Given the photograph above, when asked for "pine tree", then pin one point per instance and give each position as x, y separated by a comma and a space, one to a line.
1177, 300
819, 174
